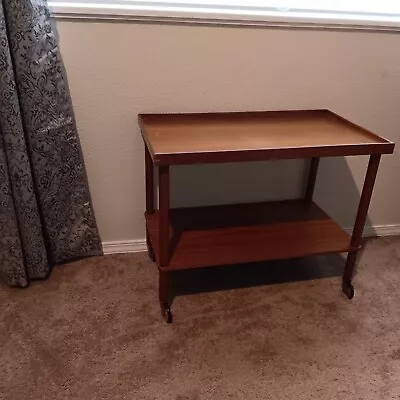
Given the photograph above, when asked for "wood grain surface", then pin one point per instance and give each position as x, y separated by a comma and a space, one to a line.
230, 234
190, 138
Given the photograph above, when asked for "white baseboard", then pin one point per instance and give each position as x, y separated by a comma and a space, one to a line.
125, 246
139, 245
378, 230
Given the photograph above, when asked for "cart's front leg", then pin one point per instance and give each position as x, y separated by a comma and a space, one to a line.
163, 296
149, 168
356, 238
163, 205
164, 229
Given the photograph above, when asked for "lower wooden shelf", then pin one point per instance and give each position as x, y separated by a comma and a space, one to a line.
240, 233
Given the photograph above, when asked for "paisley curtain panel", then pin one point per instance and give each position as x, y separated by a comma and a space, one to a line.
46, 216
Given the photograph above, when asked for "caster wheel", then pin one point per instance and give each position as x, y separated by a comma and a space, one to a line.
348, 290
150, 253
166, 313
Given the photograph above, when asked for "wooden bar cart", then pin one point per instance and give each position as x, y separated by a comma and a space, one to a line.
197, 237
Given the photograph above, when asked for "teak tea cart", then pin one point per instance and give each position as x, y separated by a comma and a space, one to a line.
182, 238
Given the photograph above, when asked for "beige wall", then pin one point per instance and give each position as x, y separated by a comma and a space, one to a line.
117, 70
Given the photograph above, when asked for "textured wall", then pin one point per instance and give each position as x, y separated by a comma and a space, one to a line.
117, 70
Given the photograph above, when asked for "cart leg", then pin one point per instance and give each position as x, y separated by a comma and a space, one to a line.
163, 190
150, 250
312, 177
362, 212
163, 296
149, 168
163, 205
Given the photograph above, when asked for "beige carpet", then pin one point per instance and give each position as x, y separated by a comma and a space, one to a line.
273, 331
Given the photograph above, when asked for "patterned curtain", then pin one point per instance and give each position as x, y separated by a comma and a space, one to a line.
46, 216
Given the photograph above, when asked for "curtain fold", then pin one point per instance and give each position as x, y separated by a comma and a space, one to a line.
46, 214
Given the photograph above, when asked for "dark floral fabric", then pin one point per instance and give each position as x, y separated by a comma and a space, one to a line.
46, 215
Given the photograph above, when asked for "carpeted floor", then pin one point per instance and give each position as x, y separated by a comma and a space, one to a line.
276, 331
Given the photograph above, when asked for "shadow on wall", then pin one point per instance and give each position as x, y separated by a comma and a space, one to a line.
336, 193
